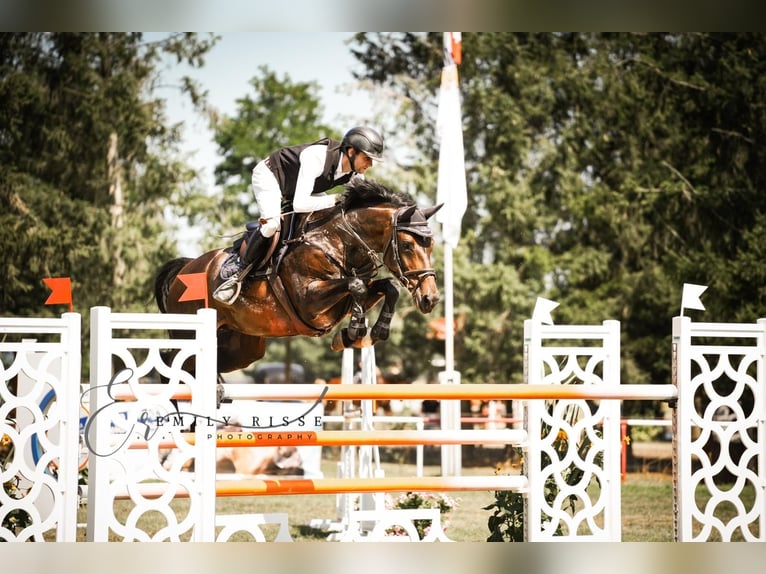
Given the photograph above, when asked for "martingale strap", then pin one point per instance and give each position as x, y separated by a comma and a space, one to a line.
284, 300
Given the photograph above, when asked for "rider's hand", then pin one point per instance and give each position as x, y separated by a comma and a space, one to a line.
338, 198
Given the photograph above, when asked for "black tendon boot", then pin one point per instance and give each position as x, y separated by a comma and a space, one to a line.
228, 291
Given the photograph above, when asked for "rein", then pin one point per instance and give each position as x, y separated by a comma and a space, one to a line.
375, 261
403, 276
410, 280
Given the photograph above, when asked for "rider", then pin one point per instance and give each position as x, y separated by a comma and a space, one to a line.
295, 179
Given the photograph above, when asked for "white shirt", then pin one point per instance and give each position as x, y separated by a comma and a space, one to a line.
312, 164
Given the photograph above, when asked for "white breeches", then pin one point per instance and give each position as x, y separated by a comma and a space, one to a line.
268, 196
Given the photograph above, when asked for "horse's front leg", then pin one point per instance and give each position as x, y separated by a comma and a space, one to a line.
353, 335
357, 326
363, 298
382, 327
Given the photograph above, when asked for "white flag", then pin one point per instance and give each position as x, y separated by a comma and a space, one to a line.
690, 299
542, 312
451, 184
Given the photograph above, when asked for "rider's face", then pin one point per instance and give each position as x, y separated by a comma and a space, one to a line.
361, 162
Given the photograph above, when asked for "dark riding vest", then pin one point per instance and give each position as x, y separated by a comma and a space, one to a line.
285, 163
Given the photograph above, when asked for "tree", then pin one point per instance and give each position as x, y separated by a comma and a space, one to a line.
605, 170
88, 166
278, 113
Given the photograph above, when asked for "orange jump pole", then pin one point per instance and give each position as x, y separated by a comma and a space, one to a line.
434, 392
274, 437
269, 487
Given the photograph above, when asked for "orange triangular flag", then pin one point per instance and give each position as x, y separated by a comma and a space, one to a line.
61, 291
196, 287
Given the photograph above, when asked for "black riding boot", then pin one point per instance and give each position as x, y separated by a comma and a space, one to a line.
228, 291
255, 248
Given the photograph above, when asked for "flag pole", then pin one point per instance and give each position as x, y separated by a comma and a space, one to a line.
450, 415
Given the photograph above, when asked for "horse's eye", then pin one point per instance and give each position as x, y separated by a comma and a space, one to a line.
424, 241
410, 242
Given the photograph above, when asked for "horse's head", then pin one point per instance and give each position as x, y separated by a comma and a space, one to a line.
408, 255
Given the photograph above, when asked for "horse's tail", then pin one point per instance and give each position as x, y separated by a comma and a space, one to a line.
165, 277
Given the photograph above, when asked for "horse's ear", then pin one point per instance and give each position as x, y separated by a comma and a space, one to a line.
407, 212
429, 211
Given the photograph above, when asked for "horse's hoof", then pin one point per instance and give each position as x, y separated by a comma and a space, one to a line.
341, 341
356, 331
379, 333
382, 327
338, 343
355, 335
363, 342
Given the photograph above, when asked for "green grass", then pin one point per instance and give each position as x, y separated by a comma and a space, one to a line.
647, 507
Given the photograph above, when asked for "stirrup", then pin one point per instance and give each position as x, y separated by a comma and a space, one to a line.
228, 291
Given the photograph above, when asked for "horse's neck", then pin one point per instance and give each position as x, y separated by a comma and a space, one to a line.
372, 225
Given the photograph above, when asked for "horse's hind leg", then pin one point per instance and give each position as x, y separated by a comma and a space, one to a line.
237, 350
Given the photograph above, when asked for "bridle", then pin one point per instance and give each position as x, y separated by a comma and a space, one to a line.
412, 279
420, 229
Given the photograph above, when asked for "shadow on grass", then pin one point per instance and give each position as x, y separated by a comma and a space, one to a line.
307, 532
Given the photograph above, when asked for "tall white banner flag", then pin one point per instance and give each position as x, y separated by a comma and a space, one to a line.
451, 184
451, 191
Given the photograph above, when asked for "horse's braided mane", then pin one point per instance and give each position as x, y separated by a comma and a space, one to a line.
366, 193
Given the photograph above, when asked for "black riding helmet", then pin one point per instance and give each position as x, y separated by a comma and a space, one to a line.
364, 139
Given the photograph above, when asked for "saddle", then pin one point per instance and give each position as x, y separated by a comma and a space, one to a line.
267, 261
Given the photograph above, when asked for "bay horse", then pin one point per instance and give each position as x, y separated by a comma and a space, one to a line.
325, 272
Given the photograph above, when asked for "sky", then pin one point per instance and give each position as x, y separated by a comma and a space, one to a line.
322, 57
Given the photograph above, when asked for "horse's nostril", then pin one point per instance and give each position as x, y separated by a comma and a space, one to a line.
429, 302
